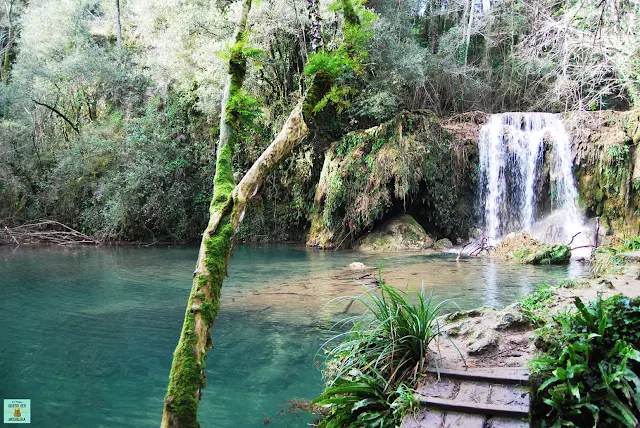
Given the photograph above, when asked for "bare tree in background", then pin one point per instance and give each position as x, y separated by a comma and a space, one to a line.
118, 25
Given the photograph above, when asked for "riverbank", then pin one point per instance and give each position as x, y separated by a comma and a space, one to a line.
493, 341
489, 337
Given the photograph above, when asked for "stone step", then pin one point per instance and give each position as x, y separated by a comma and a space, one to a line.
476, 408
463, 402
516, 376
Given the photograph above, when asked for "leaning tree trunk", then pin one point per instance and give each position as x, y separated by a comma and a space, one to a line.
188, 369
188, 375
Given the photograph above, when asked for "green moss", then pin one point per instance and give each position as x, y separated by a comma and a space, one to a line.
186, 375
412, 221
408, 159
549, 254
605, 182
238, 63
223, 182
218, 248
209, 312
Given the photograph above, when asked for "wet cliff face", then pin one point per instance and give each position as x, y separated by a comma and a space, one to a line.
411, 164
428, 168
606, 164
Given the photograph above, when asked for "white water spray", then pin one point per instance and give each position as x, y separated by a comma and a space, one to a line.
526, 173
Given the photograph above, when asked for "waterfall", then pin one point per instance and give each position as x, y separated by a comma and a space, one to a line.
525, 174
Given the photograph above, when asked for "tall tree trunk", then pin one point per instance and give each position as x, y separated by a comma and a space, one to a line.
472, 8
4, 74
4, 71
316, 25
188, 374
118, 25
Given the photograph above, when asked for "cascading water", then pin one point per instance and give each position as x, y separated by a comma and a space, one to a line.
525, 174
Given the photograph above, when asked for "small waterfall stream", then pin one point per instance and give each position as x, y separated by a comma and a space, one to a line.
525, 176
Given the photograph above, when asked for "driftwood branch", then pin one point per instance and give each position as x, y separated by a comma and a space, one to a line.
572, 238
56, 111
45, 232
12, 236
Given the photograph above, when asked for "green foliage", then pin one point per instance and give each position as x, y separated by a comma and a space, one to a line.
408, 159
534, 305
589, 373
370, 374
631, 243
358, 399
338, 69
605, 183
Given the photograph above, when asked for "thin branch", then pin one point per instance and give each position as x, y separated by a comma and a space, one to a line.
56, 111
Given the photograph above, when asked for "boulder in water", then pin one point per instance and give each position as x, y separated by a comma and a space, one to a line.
444, 244
548, 255
357, 266
400, 234
526, 249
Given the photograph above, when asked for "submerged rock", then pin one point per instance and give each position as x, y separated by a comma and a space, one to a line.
357, 266
400, 234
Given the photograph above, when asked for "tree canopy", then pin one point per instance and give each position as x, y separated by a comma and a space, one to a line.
117, 141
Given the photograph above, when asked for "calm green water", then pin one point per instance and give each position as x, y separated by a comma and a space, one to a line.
87, 333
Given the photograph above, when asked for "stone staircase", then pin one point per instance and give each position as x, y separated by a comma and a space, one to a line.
478, 398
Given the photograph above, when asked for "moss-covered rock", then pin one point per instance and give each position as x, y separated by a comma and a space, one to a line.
400, 234
444, 244
607, 167
409, 163
548, 255
524, 248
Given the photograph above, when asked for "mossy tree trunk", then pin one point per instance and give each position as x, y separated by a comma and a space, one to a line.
188, 374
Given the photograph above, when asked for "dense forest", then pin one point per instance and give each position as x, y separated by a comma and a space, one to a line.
110, 110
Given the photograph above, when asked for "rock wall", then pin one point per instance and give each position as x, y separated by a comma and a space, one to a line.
411, 164
427, 167
607, 167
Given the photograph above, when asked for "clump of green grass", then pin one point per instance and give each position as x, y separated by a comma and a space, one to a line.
535, 305
370, 375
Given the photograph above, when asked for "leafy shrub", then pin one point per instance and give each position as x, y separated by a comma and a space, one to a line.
631, 243
589, 372
369, 376
359, 399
